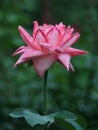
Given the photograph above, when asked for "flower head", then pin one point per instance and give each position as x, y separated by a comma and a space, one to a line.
47, 45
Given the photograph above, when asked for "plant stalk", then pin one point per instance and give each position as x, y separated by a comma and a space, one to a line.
45, 95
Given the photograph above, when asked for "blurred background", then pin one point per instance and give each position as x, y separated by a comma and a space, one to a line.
21, 86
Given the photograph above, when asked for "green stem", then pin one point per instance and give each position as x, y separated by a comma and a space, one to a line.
45, 95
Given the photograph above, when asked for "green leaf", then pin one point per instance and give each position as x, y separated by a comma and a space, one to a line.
68, 119
71, 121
65, 115
35, 119
79, 124
75, 124
82, 121
18, 112
65, 124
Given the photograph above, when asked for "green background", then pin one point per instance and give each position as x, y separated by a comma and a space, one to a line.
21, 87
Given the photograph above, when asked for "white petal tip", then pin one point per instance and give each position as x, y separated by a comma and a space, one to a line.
72, 29
19, 27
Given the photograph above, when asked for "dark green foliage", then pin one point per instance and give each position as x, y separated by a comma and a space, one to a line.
69, 120
21, 87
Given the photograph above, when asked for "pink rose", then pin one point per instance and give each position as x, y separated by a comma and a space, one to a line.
47, 45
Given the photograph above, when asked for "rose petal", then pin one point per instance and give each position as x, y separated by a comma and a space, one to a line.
71, 67
29, 54
48, 47
61, 28
65, 60
35, 28
71, 51
39, 38
53, 36
46, 28
25, 36
71, 41
20, 60
20, 50
67, 35
74, 52
41, 64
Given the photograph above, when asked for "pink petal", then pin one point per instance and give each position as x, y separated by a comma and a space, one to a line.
29, 54
71, 41
46, 28
71, 51
20, 60
19, 50
61, 28
48, 47
74, 52
35, 28
53, 36
71, 67
41, 64
67, 35
39, 38
26, 37
65, 60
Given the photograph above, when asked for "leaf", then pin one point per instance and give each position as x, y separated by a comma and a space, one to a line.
35, 119
75, 124
65, 124
68, 119
18, 112
65, 115
82, 121
71, 121
79, 124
